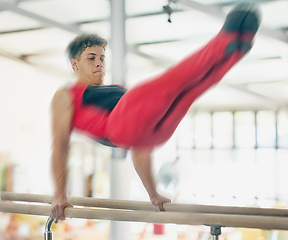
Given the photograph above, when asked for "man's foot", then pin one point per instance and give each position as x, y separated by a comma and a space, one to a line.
244, 17
249, 28
243, 21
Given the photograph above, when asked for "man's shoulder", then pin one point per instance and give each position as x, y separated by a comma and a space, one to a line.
62, 96
61, 92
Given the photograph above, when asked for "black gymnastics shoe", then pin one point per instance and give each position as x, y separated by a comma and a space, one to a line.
252, 20
242, 18
249, 28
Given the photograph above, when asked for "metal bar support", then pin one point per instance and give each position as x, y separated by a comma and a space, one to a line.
215, 231
48, 235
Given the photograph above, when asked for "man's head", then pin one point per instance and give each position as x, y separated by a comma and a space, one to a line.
87, 55
81, 42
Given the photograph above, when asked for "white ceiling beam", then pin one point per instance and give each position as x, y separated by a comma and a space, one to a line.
23, 12
268, 102
217, 12
277, 34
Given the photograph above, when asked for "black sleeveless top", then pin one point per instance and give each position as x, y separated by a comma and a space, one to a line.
105, 97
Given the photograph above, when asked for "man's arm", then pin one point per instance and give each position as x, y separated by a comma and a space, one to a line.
62, 112
143, 166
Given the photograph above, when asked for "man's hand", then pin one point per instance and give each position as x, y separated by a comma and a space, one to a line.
159, 200
57, 208
143, 166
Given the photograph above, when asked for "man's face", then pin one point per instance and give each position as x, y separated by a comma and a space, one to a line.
91, 65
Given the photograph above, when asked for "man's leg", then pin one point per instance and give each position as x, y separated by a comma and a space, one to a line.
181, 105
141, 110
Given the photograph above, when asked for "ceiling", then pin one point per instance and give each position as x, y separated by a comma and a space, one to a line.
35, 33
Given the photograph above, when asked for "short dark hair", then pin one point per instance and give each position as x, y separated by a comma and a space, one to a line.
81, 42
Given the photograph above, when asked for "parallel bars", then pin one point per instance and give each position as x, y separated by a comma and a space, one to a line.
139, 211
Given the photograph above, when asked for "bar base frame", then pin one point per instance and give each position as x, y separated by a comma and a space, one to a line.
215, 231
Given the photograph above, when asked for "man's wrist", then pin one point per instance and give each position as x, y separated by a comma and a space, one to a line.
153, 194
60, 195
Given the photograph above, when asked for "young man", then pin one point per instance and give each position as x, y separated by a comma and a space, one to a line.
147, 115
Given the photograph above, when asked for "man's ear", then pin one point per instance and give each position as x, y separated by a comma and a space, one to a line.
74, 64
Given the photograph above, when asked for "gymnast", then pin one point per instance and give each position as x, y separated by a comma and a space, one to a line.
145, 116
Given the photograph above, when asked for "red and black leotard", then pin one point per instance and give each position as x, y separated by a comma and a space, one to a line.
92, 106
148, 114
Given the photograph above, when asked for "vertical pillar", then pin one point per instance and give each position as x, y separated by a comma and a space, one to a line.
212, 130
233, 131
276, 130
256, 129
119, 189
118, 41
119, 179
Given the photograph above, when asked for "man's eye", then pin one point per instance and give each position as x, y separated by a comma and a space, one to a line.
92, 58
102, 59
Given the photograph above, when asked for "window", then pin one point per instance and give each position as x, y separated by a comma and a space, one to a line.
283, 129
202, 130
244, 129
222, 130
184, 133
266, 129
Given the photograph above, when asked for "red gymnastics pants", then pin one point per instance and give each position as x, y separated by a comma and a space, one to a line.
148, 114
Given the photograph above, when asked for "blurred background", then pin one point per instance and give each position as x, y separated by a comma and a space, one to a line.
231, 149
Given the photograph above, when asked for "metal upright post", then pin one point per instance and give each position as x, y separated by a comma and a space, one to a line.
215, 231
48, 235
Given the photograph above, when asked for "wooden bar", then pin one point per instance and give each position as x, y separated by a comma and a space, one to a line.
147, 206
259, 222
